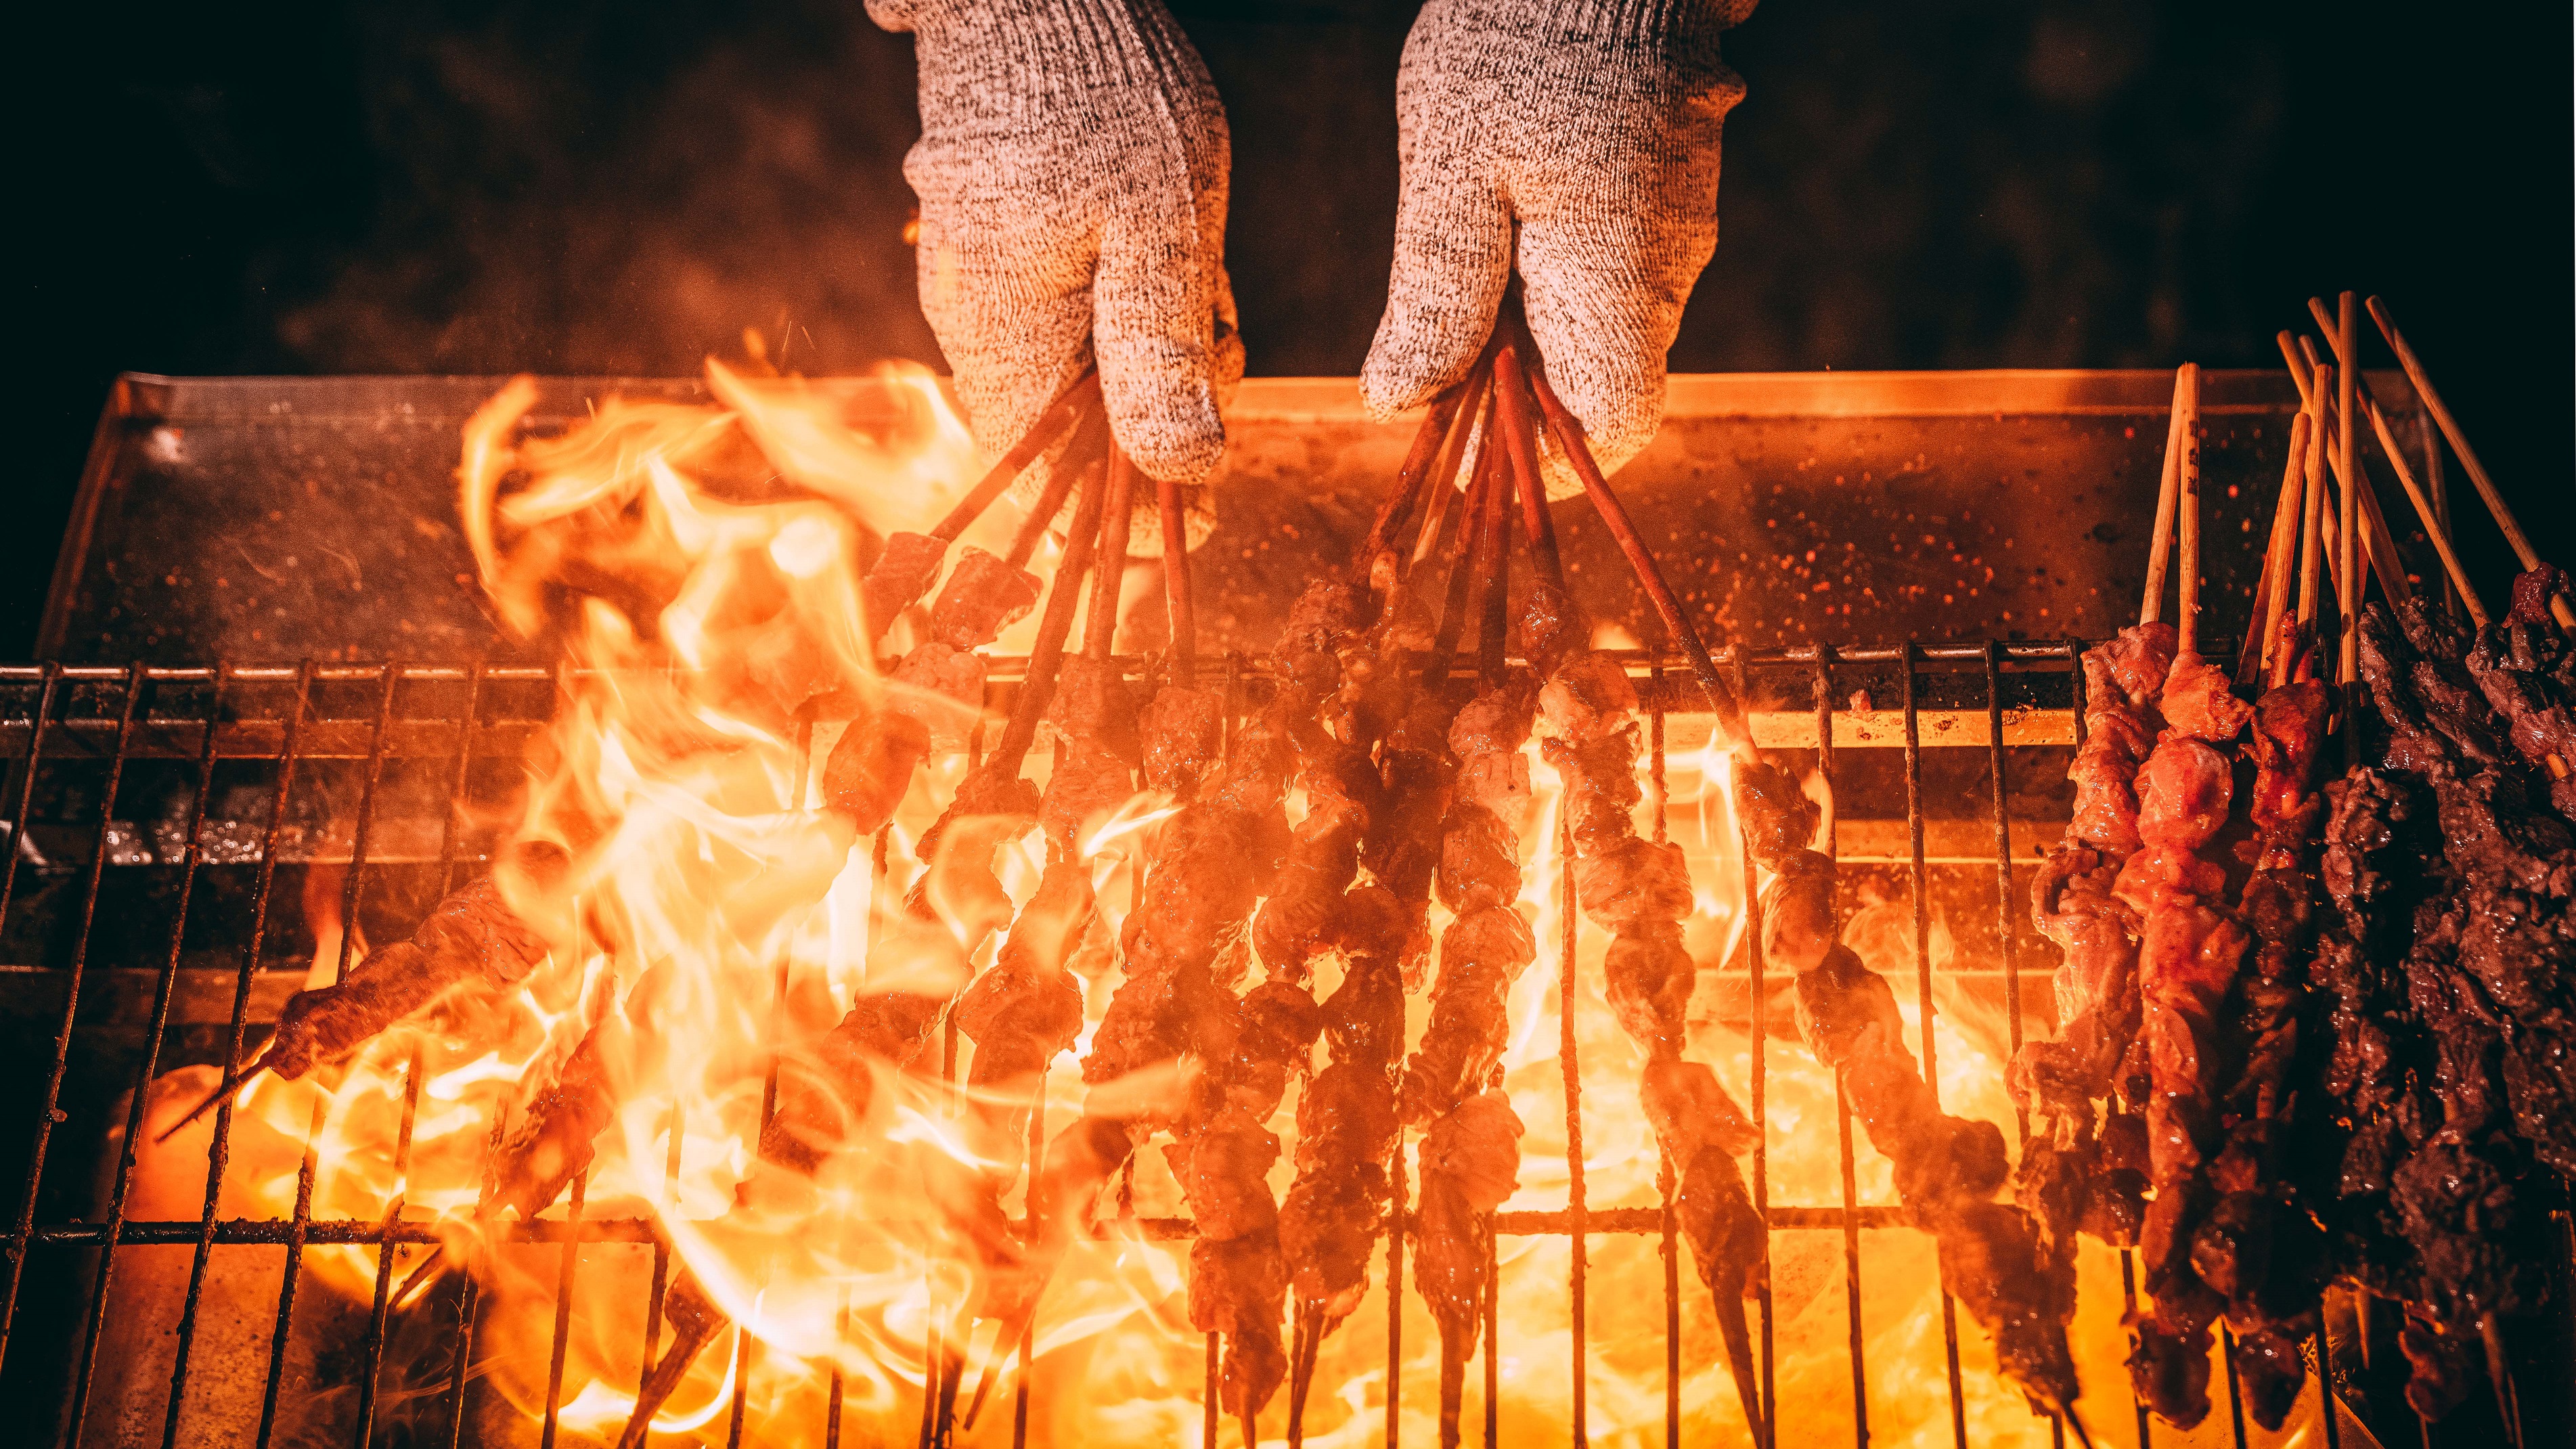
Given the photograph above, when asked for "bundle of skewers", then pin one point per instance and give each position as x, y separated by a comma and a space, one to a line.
2313, 1030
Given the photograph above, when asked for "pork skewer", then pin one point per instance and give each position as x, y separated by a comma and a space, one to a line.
2078, 1174
1947, 1168
2191, 952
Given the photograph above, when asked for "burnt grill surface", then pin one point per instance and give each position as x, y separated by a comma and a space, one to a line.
292, 518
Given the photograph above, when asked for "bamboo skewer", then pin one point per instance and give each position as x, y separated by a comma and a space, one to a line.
2168, 485
1493, 571
1177, 603
1079, 454
1520, 443
2386, 564
1117, 516
1429, 441
2187, 498
2425, 515
2348, 585
1568, 432
2428, 443
2311, 544
2433, 528
1452, 476
2160, 546
2450, 426
2280, 555
1080, 397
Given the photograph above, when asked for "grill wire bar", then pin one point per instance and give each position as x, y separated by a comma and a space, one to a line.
1917, 884
142, 723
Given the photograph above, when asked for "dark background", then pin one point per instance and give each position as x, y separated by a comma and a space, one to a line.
580, 187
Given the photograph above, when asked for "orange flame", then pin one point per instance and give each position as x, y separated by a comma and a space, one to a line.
716, 921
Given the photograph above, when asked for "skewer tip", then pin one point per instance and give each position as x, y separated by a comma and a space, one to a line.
231, 1085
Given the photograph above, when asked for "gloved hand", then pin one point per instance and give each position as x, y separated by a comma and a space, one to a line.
1591, 127
1072, 177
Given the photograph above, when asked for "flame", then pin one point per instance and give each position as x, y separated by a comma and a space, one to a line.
697, 566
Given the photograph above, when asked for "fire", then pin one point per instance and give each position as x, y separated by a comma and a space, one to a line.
697, 565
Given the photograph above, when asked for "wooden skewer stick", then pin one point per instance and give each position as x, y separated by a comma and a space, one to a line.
1398, 508
2450, 426
2280, 555
2424, 513
1054, 623
1568, 432
2369, 406
2187, 495
2428, 444
1462, 569
2159, 548
1080, 394
2312, 522
1493, 575
1176, 583
2348, 586
1520, 443
1079, 454
1473, 420
1117, 517
2386, 564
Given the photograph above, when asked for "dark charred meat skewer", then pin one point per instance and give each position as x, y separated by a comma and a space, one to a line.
470, 937
2455, 1011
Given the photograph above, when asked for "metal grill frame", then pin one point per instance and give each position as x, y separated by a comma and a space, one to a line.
134, 732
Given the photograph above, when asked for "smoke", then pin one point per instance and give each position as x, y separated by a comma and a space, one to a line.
593, 189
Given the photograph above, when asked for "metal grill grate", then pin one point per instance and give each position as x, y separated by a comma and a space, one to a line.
84, 732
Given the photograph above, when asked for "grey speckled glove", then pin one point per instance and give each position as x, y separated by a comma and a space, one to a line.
1072, 176
1592, 127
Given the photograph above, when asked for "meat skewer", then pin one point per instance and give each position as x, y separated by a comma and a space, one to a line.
1947, 1168
1346, 1119
2439, 1182
909, 561
1639, 890
2077, 1172
1470, 1154
945, 919
1029, 1007
2190, 953
472, 936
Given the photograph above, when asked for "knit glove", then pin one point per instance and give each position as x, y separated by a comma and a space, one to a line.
1072, 178
1591, 128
